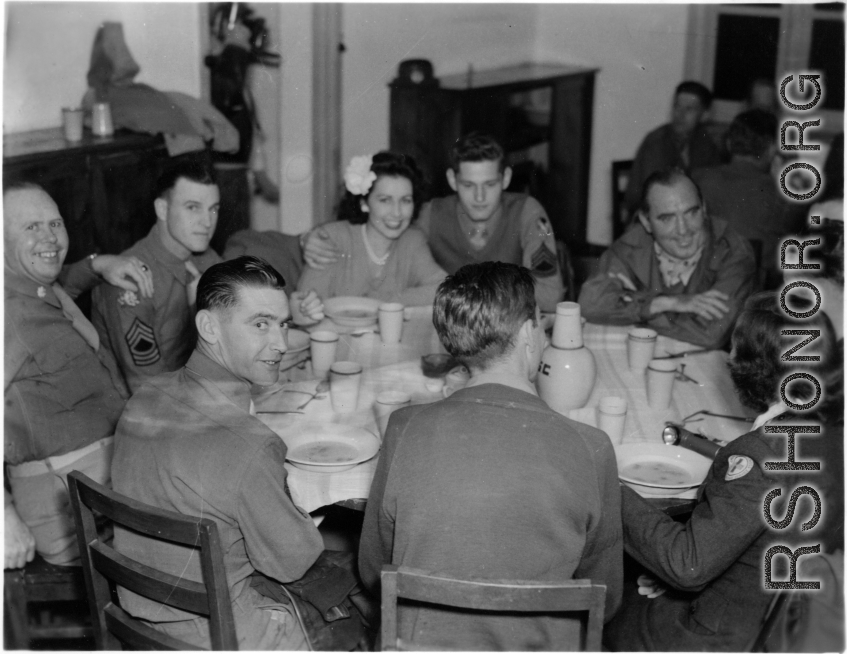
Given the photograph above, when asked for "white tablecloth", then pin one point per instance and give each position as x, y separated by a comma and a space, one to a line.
397, 367
386, 367
714, 392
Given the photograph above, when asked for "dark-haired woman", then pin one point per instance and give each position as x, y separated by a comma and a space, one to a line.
383, 256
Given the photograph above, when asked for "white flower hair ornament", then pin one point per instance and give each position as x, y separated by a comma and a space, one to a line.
358, 177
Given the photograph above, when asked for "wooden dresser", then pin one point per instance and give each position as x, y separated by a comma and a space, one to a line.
541, 114
104, 186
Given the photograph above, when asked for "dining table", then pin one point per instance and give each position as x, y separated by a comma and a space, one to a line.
297, 399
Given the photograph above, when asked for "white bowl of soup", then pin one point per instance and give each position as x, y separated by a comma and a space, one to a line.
659, 469
328, 447
350, 311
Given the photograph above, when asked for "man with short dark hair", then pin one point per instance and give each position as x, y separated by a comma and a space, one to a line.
491, 483
745, 194
189, 442
63, 393
149, 336
679, 271
482, 221
682, 143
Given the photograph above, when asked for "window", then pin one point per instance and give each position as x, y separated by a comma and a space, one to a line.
730, 46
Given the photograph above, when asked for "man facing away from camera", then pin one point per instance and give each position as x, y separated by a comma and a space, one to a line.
491, 483
189, 441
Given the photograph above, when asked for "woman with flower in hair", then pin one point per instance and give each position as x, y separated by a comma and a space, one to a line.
383, 256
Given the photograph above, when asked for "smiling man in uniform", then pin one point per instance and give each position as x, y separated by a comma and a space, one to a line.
189, 441
679, 271
149, 336
63, 393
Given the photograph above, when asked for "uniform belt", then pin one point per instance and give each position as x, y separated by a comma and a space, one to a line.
33, 468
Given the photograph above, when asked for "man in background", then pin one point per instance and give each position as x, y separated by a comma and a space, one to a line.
679, 271
63, 394
481, 222
682, 143
745, 194
491, 483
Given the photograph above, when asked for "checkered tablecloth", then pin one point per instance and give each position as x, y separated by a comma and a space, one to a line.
397, 367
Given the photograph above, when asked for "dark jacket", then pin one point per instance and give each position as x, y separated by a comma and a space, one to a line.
493, 484
714, 563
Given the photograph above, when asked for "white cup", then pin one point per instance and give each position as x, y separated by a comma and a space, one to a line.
387, 403
640, 345
611, 416
72, 123
390, 322
324, 345
660, 377
344, 380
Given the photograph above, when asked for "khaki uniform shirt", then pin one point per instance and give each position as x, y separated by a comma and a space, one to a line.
187, 443
59, 394
156, 335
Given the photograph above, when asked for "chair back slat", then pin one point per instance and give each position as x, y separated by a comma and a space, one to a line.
104, 568
138, 636
149, 582
150, 521
576, 595
221, 620
495, 595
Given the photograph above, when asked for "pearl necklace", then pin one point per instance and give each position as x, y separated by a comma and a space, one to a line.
379, 261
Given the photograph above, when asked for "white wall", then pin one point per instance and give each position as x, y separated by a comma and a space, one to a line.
48, 48
379, 36
295, 39
640, 50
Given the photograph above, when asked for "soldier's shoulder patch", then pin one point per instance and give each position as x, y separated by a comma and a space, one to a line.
544, 262
141, 340
544, 226
738, 465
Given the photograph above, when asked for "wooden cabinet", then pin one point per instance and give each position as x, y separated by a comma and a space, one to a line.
103, 186
540, 113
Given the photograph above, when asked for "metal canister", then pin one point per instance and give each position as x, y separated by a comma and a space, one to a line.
101, 119
677, 435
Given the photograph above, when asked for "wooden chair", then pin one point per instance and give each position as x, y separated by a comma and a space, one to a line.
505, 596
775, 613
39, 605
104, 568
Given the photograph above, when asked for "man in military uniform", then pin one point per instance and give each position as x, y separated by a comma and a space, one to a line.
481, 222
149, 336
62, 390
491, 483
189, 441
679, 271
152, 335
705, 589
683, 142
